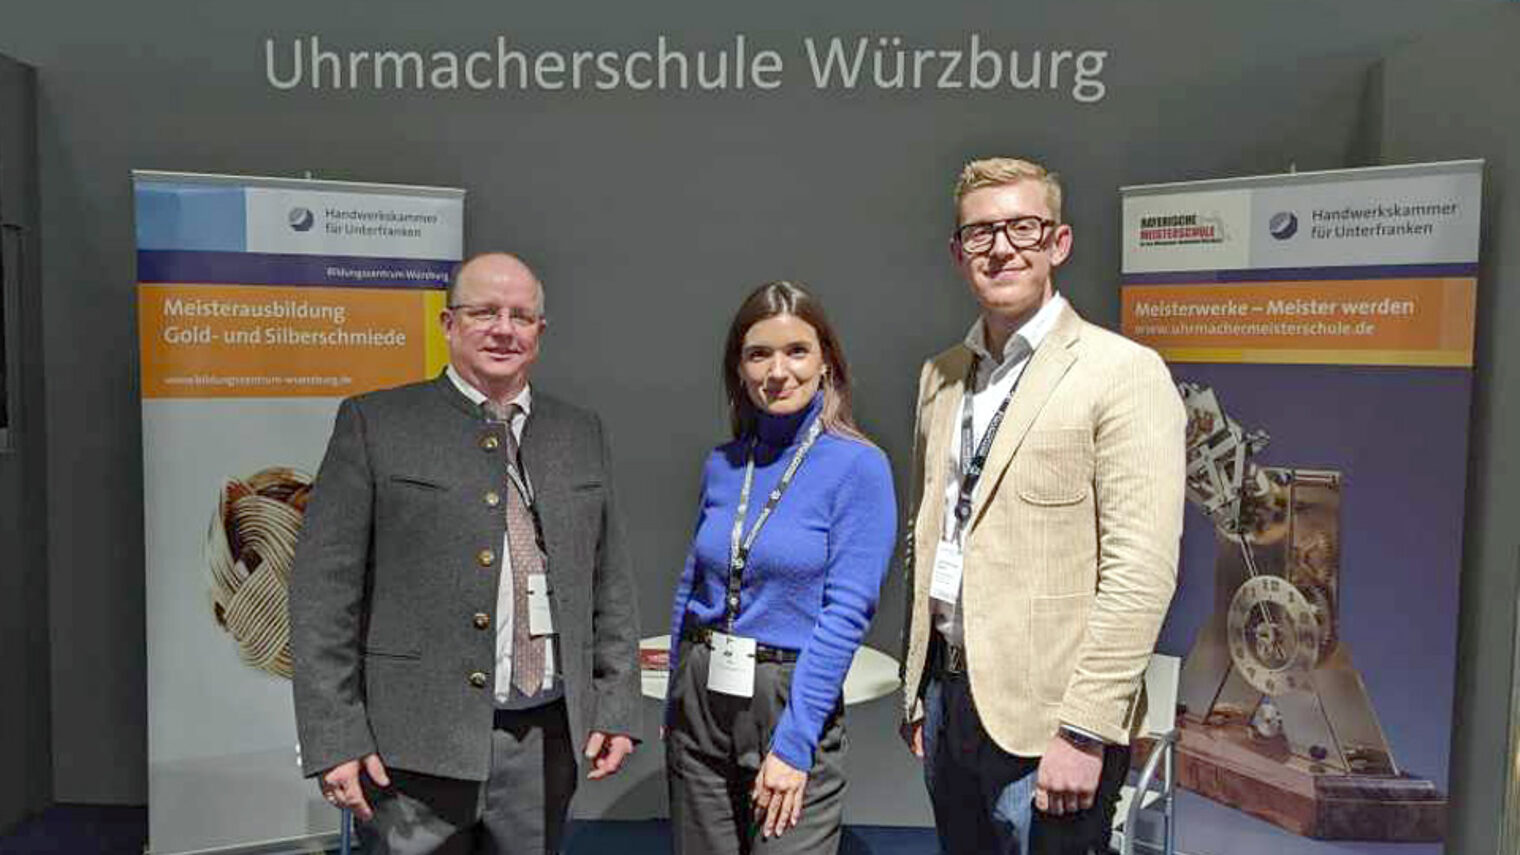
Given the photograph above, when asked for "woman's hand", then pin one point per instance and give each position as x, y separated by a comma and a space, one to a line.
778, 795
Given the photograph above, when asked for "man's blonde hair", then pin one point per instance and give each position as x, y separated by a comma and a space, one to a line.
998, 171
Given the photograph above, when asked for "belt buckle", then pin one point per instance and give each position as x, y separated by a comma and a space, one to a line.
697, 634
952, 662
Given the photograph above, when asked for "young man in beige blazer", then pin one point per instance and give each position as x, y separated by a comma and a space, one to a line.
1045, 521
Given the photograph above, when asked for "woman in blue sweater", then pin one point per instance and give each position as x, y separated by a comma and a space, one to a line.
793, 537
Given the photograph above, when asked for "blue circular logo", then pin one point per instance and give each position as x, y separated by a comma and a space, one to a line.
302, 219
1283, 225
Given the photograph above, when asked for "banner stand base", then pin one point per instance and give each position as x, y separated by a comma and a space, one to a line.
242, 804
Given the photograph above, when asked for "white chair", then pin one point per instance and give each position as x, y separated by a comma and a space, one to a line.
1145, 795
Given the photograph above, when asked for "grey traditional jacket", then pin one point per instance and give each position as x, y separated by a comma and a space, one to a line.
400, 558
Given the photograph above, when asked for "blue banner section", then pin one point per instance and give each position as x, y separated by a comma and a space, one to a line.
328, 271
1303, 274
191, 217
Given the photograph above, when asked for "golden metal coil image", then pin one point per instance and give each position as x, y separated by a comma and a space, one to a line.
249, 547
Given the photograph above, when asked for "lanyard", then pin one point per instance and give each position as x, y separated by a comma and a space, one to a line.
972, 464
519, 478
739, 543
518, 475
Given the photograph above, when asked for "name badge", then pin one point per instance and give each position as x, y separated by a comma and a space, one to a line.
945, 585
731, 668
540, 616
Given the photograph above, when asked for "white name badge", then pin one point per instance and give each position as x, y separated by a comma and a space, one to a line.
540, 616
731, 668
945, 586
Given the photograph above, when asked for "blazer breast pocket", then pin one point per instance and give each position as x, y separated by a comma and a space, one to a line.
1054, 467
410, 654
586, 500
416, 482
410, 507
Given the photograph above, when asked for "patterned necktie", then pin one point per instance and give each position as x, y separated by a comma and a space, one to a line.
522, 539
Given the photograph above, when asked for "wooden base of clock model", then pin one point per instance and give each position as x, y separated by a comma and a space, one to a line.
1228, 764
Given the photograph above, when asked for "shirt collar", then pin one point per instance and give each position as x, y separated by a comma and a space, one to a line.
1033, 331
524, 398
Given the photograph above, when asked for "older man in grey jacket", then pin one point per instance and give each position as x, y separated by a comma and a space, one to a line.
462, 608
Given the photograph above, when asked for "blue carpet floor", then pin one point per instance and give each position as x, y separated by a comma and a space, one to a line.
100, 830
79, 830
653, 836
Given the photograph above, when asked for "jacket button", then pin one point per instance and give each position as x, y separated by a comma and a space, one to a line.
493, 499
486, 557
482, 620
490, 442
478, 679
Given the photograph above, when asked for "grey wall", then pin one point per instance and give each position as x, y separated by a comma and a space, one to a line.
1446, 95
25, 744
649, 216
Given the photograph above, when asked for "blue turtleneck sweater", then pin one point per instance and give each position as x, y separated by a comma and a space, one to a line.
815, 571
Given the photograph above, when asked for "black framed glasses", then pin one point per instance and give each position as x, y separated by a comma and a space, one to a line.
1022, 233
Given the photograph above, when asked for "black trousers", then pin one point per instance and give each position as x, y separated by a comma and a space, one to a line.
714, 747
983, 796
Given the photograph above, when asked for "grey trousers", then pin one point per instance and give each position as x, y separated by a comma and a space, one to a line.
519, 810
713, 748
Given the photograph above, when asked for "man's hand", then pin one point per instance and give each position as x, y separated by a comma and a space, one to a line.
606, 751
778, 795
912, 732
1068, 777
340, 784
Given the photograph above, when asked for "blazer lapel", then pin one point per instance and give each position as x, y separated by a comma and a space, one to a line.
540, 457
543, 458
941, 422
1046, 368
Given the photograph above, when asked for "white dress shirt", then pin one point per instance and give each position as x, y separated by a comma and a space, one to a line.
995, 377
506, 696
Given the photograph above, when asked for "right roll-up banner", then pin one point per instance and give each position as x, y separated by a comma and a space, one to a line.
1320, 330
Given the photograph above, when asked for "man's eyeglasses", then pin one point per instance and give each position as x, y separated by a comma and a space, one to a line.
1022, 233
486, 316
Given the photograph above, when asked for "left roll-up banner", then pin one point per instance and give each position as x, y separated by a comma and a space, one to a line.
262, 303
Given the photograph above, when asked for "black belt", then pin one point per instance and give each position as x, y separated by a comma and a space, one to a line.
519, 717
949, 659
697, 634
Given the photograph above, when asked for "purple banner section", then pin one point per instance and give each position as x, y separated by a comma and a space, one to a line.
327, 271
1311, 274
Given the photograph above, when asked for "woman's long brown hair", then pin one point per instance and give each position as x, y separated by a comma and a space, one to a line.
788, 298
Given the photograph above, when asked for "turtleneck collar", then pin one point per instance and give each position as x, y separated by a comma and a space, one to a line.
782, 431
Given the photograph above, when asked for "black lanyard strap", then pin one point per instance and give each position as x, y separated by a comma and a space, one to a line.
517, 475
739, 543
972, 463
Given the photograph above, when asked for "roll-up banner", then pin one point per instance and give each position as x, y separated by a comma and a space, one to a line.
262, 302
1320, 328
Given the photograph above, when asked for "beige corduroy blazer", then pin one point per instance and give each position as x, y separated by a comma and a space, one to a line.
1071, 552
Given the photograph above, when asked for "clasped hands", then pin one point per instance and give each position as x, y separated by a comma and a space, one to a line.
342, 788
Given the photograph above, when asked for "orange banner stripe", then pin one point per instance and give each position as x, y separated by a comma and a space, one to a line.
1379, 318
216, 341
